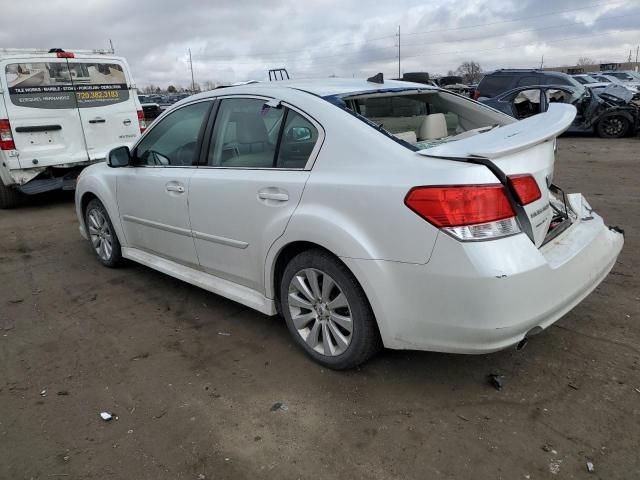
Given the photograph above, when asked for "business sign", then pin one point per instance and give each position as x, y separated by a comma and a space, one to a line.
60, 85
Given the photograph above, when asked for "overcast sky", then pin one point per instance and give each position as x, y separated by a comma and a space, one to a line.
240, 40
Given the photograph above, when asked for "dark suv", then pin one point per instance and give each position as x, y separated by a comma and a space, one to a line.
500, 81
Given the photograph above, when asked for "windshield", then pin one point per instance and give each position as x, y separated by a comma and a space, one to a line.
600, 78
585, 79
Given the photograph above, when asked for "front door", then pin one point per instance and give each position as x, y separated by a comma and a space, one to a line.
241, 201
153, 194
43, 112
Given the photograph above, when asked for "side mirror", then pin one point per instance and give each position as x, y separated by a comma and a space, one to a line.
119, 157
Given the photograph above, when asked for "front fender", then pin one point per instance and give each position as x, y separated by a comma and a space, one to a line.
97, 180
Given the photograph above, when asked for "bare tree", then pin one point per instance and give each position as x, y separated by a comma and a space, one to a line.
471, 72
585, 61
209, 85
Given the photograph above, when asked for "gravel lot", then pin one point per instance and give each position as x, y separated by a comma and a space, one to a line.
193, 377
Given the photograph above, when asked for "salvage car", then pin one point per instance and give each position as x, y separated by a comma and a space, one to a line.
611, 112
366, 213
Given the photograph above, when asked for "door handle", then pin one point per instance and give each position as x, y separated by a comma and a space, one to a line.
175, 188
277, 196
97, 120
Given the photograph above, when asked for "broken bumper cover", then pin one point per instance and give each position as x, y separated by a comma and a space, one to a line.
480, 297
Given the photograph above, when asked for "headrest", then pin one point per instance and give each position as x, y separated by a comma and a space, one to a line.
432, 127
250, 128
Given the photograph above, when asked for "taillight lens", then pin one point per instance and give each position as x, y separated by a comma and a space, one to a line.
141, 121
468, 212
476, 94
526, 188
65, 55
6, 138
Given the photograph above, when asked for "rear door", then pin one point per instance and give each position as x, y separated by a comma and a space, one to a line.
240, 202
106, 101
42, 109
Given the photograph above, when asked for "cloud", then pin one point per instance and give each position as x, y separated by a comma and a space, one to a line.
239, 40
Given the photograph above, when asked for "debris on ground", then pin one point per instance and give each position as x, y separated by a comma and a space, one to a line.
201, 476
43, 393
495, 380
546, 447
571, 385
107, 416
16, 300
554, 467
279, 406
462, 417
63, 393
590, 467
224, 334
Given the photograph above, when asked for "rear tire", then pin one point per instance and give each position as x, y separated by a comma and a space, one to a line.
327, 312
613, 126
9, 197
102, 236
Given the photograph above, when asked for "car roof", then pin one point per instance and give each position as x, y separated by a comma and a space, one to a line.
324, 87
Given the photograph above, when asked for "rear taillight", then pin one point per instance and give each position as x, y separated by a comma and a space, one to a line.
468, 212
525, 187
476, 94
65, 55
141, 121
6, 138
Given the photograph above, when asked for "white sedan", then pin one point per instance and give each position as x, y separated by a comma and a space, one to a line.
366, 214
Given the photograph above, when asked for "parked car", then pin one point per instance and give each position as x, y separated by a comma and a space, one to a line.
603, 77
609, 112
500, 81
366, 214
590, 82
59, 112
627, 77
151, 109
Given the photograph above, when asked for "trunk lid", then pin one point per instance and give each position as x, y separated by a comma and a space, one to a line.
524, 147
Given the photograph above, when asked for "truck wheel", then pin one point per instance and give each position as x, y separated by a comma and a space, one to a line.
613, 126
327, 312
9, 197
102, 234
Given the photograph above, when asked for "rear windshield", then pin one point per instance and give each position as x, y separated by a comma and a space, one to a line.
62, 84
422, 120
492, 85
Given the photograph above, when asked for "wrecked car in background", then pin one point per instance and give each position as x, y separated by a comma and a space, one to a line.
611, 112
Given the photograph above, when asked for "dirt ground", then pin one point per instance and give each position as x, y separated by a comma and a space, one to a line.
193, 377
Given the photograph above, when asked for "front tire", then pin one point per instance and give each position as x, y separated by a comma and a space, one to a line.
613, 126
327, 312
9, 197
102, 235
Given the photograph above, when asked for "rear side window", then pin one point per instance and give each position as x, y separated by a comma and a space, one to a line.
556, 80
173, 142
61, 84
248, 133
530, 80
492, 85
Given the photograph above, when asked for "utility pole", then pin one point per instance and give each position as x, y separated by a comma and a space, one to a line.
113, 50
541, 61
399, 74
637, 50
193, 83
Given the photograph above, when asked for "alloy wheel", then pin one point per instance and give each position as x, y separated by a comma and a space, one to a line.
100, 233
320, 312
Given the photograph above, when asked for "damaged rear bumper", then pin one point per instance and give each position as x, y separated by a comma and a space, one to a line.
480, 297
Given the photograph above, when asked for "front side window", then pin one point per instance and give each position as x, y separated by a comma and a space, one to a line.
249, 133
173, 141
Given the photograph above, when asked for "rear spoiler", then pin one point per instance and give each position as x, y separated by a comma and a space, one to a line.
510, 138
